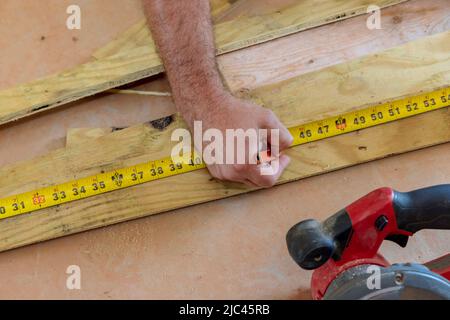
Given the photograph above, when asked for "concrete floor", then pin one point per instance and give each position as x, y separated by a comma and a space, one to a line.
232, 248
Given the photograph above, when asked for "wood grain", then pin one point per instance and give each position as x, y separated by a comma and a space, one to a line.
133, 57
142, 143
245, 31
219, 6
301, 98
77, 136
318, 48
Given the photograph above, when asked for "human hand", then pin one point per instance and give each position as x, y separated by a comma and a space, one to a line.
223, 112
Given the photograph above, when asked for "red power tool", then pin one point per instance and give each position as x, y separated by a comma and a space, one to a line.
343, 250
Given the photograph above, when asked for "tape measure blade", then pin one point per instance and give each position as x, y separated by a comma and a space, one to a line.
166, 167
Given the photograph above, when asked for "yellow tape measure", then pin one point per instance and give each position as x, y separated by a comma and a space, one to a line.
154, 170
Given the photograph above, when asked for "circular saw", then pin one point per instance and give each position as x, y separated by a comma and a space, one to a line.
343, 250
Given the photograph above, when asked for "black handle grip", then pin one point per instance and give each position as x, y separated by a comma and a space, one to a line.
427, 208
311, 243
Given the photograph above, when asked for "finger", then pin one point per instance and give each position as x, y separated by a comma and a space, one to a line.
255, 174
232, 175
250, 184
285, 137
213, 171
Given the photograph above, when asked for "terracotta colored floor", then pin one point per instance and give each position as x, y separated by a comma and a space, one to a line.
232, 248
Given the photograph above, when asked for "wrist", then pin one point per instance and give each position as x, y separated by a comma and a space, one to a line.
212, 97
197, 104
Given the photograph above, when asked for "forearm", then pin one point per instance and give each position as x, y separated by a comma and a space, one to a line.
183, 33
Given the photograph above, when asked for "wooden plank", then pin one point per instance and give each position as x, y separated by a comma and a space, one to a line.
140, 61
358, 83
249, 8
77, 136
245, 31
261, 70
219, 7
328, 45
142, 143
268, 63
197, 187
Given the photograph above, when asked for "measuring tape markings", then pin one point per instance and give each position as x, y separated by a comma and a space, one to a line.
159, 169
96, 185
370, 117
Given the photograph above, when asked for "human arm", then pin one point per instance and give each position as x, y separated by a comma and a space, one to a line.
184, 36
